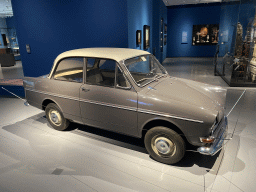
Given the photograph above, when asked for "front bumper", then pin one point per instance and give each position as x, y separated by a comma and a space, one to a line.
220, 134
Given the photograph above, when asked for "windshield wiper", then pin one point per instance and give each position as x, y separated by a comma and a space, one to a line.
158, 76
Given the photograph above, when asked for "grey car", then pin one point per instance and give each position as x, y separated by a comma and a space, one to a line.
128, 91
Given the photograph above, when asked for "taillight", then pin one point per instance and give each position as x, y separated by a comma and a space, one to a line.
207, 139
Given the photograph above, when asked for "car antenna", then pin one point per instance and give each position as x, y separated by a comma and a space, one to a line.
25, 101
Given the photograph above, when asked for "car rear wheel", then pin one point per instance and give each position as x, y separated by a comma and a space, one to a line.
55, 117
164, 145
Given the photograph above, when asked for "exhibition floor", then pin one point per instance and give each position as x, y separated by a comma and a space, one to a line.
35, 157
198, 69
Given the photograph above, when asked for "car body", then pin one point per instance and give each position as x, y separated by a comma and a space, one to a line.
129, 92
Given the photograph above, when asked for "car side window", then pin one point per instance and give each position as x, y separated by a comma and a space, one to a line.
90, 63
70, 69
102, 73
121, 80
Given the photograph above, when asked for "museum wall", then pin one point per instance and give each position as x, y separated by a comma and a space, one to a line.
159, 12
182, 18
146, 12
52, 27
139, 14
10, 22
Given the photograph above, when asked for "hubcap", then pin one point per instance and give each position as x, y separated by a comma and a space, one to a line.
55, 117
163, 146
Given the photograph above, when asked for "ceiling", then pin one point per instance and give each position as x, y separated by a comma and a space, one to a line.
5, 8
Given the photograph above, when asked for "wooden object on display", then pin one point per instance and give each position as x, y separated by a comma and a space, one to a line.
240, 69
246, 49
239, 40
252, 66
2, 51
5, 51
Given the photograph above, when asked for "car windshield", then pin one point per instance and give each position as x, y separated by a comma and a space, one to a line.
145, 69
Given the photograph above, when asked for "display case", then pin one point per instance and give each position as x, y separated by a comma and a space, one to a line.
235, 58
9, 36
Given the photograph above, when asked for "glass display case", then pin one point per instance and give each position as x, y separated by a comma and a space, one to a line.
9, 36
235, 58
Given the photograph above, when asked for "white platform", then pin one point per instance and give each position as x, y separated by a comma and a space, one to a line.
34, 157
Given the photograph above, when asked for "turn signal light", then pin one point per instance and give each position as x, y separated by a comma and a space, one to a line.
207, 139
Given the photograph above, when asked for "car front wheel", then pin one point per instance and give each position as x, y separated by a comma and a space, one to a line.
164, 145
55, 117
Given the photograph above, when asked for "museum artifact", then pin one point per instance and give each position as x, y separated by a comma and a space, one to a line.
243, 66
239, 40
128, 91
215, 32
146, 38
162, 35
138, 37
184, 38
205, 34
252, 65
165, 39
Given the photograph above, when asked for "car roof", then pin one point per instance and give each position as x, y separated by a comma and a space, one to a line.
117, 54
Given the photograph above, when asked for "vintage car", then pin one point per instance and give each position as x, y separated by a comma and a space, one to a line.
128, 91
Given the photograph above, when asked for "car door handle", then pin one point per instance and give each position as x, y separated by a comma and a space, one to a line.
85, 90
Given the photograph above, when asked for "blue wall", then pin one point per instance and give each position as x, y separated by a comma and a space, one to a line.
10, 22
17, 90
52, 27
159, 12
182, 18
146, 12
139, 14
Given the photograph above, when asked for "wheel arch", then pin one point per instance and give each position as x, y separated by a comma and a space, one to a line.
161, 122
48, 101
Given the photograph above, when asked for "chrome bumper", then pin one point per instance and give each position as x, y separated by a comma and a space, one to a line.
220, 135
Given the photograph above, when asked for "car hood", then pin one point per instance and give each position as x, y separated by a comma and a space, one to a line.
191, 92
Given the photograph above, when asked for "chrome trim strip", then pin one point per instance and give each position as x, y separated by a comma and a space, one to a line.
86, 100
55, 95
119, 106
167, 115
109, 105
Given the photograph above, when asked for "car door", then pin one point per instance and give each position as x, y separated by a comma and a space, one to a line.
65, 84
106, 99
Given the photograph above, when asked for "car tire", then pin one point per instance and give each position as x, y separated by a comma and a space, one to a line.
55, 117
164, 145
